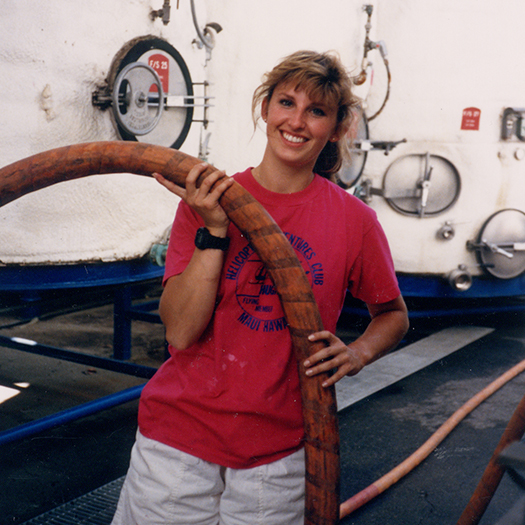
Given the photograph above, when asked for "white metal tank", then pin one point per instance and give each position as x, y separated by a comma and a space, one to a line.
440, 154
454, 71
53, 58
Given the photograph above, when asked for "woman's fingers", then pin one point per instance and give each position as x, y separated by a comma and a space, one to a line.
335, 357
212, 188
171, 186
191, 192
203, 199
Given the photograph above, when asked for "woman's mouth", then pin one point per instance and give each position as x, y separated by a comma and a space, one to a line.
293, 138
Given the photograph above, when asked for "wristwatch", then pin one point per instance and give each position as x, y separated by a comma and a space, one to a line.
204, 240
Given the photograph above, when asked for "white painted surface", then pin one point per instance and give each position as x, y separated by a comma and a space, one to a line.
53, 56
444, 56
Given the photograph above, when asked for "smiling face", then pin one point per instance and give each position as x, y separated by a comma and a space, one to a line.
298, 127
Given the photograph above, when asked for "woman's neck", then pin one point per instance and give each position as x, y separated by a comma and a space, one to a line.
281, 178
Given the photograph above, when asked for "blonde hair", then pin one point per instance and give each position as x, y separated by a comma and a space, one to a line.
324, 78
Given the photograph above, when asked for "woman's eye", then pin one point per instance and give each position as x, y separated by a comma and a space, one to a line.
318, 112
285, 102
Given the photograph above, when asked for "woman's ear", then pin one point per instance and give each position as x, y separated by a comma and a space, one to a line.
339, 133
264, 109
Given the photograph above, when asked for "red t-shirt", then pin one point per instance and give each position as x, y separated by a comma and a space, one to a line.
233, 398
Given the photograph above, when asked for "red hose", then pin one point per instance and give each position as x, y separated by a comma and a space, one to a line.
392, 477
289, 278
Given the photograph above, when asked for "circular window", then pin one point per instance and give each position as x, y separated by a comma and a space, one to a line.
176, 113
421, 185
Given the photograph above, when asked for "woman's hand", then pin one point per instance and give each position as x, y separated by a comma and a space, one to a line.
388, 325
336, 354
188, 300
204, 199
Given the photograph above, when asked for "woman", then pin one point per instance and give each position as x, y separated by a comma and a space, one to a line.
220, 424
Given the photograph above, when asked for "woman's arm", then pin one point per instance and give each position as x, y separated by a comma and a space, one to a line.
388, 325
189, 299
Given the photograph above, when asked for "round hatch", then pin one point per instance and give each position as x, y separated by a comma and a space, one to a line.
421, 184
501, 244
152, 93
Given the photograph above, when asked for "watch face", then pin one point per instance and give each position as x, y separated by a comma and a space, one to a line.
200, 238
205, 240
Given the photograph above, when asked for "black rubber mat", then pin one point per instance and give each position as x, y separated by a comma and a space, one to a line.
94, 508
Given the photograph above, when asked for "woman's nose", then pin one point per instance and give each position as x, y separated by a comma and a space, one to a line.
297, 119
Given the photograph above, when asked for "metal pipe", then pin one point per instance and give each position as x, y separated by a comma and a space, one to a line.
104, 363
72, 414
460, 279
208, 42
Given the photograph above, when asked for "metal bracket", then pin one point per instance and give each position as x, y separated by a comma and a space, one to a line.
385, 145
163, 13
103, 98
505, 249
513, 123
365, 191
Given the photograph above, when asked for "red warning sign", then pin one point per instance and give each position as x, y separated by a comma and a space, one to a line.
470, 119
161, 64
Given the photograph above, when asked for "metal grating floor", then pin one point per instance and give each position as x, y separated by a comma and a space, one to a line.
94, 508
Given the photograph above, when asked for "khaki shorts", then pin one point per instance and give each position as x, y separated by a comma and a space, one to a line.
165, 486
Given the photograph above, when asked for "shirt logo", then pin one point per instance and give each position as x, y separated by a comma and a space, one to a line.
261, 308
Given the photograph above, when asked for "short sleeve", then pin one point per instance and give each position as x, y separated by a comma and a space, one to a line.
182, 241
373, 279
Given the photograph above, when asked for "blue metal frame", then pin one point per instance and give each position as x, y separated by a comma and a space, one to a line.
72, 414
437, 287
84, 409
487, 295
36, 278
113, 365
31, 281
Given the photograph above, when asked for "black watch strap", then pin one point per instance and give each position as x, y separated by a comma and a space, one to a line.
204, 240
